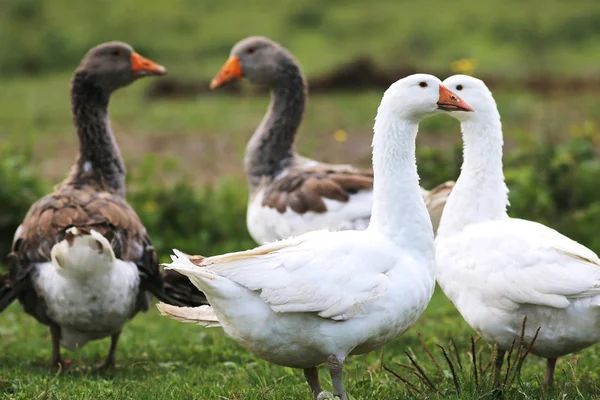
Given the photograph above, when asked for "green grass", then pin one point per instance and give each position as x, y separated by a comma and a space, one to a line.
161, 358
207, 136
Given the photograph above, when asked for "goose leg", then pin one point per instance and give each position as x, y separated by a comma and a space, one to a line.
550, 366
57, 362
336, 366
110, 359
498, 367
312, 377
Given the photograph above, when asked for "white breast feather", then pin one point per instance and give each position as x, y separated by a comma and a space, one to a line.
90, 309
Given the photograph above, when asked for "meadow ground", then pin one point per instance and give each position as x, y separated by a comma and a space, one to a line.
206, 136
162, 359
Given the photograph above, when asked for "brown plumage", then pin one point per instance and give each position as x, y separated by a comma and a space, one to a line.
303, 189
92, 199
86, 208
275, 171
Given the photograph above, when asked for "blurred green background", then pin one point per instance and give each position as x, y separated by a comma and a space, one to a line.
184, 151
191, 37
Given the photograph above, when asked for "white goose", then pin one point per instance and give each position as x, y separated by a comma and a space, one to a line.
497, 270
322, 296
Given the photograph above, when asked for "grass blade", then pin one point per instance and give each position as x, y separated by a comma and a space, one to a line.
422, 373
429, 353
457, 354
452, 369
474, 357
403, 380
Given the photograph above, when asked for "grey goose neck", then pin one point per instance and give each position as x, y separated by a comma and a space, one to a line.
271, 148
99, 161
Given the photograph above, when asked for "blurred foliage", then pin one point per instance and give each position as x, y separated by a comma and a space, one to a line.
206, 221
19, 188
551, 184
556, 185
194, 36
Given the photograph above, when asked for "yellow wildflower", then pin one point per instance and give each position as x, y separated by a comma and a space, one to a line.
340, 135
150, 206
464, 66
586, 129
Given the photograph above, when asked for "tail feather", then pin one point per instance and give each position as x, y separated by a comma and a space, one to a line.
10, 289
199, 276
202, 315
82, 252
435, 200
7, 294
179, 290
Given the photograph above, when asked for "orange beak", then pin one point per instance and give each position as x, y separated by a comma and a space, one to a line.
449, 101
232, 70
141, 66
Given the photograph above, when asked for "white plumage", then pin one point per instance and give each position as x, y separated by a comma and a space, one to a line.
291, 292
88, 292
322, 296
496, 269
497, 272
266, 224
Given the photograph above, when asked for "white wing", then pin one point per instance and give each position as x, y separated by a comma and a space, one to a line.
517, 262
335, 275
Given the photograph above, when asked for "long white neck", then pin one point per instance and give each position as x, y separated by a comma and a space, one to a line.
480, 193
399, 211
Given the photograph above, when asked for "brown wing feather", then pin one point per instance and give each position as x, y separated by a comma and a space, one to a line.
303, 189
108, 214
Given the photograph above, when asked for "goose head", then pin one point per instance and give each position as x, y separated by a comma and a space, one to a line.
114, 65
257, 59
476, 93
419, 96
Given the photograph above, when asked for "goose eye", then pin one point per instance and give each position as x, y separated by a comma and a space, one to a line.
116, 52
459, 87
423, 84
250, 50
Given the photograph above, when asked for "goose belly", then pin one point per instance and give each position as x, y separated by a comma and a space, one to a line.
88, 309
399, 310
393, 322
562, 330
266, 224
304, 340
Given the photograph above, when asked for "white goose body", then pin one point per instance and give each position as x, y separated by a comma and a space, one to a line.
498, 272
267, 224
371, 294
325, 295
88, 292
496, 269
